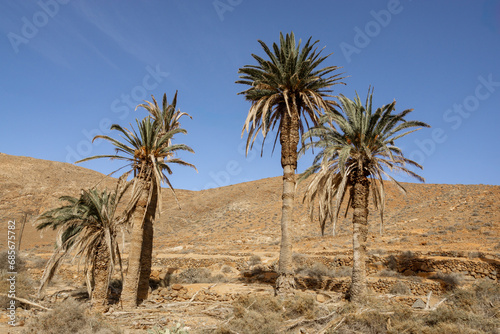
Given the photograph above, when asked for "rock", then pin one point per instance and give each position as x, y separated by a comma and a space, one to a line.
247, 274
177, 287
320, 298
154, 274
162, 276
419, 304
269, 276
408, 272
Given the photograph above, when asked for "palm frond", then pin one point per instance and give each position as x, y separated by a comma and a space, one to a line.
364, 141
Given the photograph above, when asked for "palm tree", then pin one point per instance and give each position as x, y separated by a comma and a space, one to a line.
289, 90
88, 226
356, 158
146, 155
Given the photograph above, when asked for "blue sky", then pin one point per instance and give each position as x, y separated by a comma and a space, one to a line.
70, 68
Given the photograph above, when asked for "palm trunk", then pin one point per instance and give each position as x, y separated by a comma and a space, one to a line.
130, 290
147, 247
101, 269
359, 195
289, 139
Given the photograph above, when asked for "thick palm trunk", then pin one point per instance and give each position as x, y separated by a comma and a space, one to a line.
289, 139
101, 269
147, 248
359, 194
130, 290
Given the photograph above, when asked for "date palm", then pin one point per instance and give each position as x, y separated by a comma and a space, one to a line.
148, 154
357, 151
288, 90
88, 226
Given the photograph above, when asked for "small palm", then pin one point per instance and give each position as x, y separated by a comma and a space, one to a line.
86, 225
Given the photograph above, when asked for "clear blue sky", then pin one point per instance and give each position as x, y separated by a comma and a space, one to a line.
69, 68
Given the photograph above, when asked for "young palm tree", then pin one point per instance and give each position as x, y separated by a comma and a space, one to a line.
289, 90
88, 226
356, 158
148, 154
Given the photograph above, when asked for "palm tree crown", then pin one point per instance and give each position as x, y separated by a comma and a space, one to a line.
289, 82
364, 142
147, 153
167, 117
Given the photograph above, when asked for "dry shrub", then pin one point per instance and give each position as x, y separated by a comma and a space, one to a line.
255, 314
5, 258
37, 262
450, 281
254, 260
300, 305
24, 285
226, 269
366, 322
391, 262
267, 314
399, 288
456, 320
389, 273
69, 317
482, 300
317, 270
343, 271
466, 311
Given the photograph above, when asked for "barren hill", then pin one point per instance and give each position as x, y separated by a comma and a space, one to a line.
434, 217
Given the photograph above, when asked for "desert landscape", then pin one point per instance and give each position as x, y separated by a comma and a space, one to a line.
221, 249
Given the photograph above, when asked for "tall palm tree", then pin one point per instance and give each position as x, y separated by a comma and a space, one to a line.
290, 90
357, 157
88, 226
145, 153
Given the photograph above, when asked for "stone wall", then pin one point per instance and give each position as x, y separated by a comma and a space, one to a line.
414, 264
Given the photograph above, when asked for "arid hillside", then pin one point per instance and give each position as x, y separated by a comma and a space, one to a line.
430, 217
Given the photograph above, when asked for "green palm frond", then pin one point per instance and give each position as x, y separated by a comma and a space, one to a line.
148, 151
356, 139
167, 117
290, 77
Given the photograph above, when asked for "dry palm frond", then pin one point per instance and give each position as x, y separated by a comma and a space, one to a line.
289, 81
86, 225
358, 139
